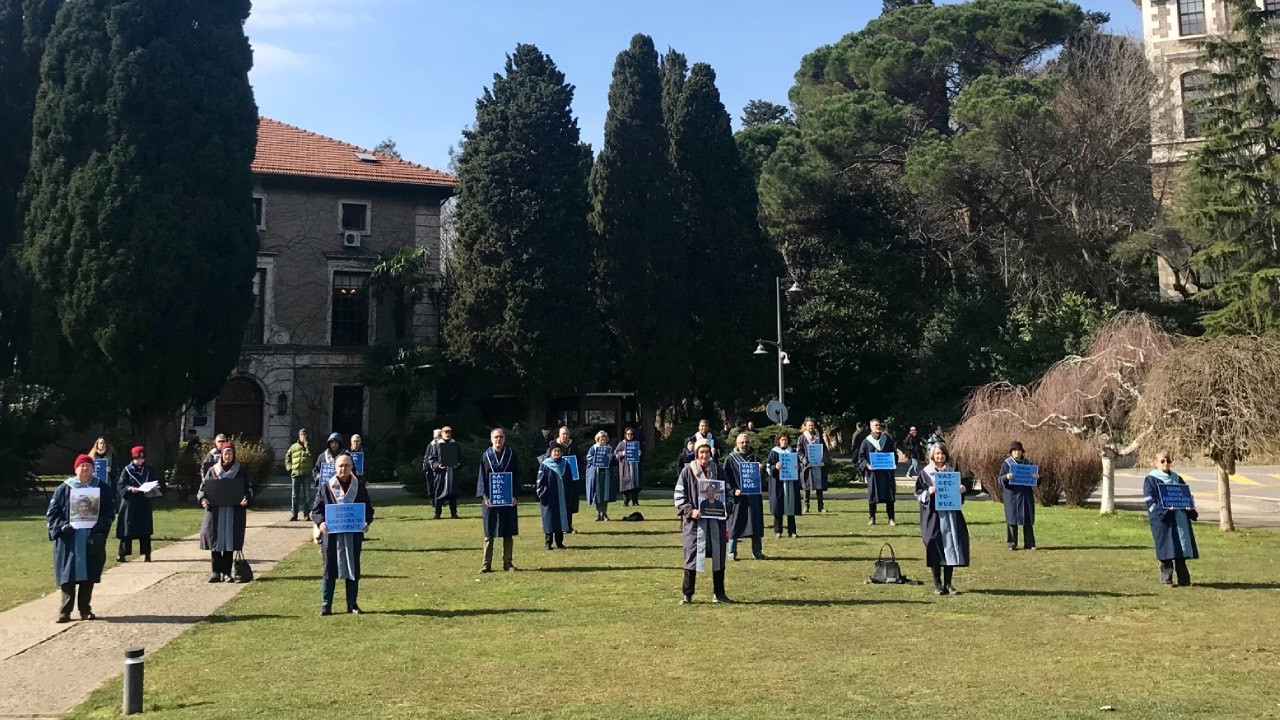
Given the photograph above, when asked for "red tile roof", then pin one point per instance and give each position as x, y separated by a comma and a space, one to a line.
287, 150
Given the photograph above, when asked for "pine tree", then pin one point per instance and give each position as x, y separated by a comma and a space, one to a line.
674, 69
140, 229
639, 268
1232, 207
724, 243
522, 308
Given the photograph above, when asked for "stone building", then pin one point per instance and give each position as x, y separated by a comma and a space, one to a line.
327, 212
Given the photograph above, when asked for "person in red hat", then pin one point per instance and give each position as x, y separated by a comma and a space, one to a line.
135, 487
79, 519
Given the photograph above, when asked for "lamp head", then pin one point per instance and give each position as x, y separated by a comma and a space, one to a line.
759, 349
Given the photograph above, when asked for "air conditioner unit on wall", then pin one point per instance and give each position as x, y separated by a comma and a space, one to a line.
350, 239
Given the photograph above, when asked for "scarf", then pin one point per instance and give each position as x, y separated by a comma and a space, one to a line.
877, 441
221, 472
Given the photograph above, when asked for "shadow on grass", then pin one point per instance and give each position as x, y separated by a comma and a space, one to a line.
828, 558
470, 612
1004, 592
613, 547
363, 576
633, 532
870, 536
423, 550
184, 619
831, 602
1093, 547
1238, 586
608, 568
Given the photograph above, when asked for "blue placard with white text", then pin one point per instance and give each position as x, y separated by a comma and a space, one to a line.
884, 461
790, 470
1176, 496
573, 465
948, 495
357, 460
601, 455
501, 489
632, 449
327, 471
749, 478
100, 469
813, 453
1024, 474
344, 518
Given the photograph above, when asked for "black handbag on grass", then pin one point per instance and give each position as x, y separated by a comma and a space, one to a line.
887, 571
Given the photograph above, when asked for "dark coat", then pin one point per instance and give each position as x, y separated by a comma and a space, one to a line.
79, 555
881, 487
913, 447
324, 458
1171, 529
686, 497
812, 478
748, 510
784, 497
1019, 500
209, 524
442, 479
324, 496
552, 489
602, 483
135, 507
628, 472
574, 487
945, 534
498, 521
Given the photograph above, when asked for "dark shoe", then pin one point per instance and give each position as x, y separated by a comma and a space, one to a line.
807, 509
437, 517
234, 579
88, 615
121, 558
822, 509
146, 558
686, 599
1012, 548
761, 556
486, 569
872, 521
606, 517
455, 517
215, 577
63, 619
293, 518
722, 599
939, 590
560, 546
326, 610
599, 517
548, 546
355, 610
510, 568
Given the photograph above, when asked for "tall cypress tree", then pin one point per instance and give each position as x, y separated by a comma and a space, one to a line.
522, 307
722, 236
140, 228
639, 268
1232, 207
674, 69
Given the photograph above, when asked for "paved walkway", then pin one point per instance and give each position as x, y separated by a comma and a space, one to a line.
137, 603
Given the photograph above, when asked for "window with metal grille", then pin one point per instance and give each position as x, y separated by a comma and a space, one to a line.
255, 329
1191, 17
348, 410
349, 326
1194, 89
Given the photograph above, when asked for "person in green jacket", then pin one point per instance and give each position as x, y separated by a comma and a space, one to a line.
297, 462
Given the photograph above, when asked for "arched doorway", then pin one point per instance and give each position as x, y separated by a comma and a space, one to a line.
238, 410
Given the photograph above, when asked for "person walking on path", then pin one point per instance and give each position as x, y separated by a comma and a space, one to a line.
1171, 528
223, 526
79, 519
135, 521
913, 448
341, 551
299, 463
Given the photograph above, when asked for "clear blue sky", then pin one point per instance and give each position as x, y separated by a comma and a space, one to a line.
360, 70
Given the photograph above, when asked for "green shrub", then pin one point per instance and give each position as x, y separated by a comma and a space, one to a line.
28, 422
185, 478
256, 458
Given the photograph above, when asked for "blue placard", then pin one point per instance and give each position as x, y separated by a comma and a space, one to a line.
1176, 496
573, 465
749, 478
813, 453
632, 448
344, 518
327, 471
357, 459
948, 495
100, 469
601, 455
501, 489
1024, 474
884, 461
790, 470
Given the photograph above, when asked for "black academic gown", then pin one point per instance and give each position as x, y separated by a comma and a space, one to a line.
748, 510
1019, 500
135, 521
329, 543
573, 487
881, 487
784, 497
602, 483
945, 533
498, 521
1171, 528
628, 472
812, 478
552, 489
444, 484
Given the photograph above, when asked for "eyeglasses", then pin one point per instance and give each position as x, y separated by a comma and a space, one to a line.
1164, 460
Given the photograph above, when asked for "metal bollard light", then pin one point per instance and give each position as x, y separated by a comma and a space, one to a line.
133, 665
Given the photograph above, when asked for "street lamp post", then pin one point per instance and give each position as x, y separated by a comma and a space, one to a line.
783, 359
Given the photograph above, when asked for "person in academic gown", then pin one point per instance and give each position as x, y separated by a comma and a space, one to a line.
552, 488
944, 532
703, 539
332, 451
813, 478
704, 434
784, 497
223, 526
499, 522
602, 482
1171, 528
341, 552
881, 486
79, 554
357, 446
574, 485
444, 487
135, 507
1019, 501
747, 520
628, 472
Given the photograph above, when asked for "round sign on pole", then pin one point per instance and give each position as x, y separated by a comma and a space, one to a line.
776, 411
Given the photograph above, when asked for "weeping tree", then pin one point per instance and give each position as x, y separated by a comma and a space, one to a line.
1215, 397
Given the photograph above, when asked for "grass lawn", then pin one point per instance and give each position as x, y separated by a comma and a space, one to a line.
27, 562
595, 631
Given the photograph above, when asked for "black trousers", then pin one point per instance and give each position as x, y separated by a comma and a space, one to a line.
942, 575
888, 508
791, 524
602, 509
1028, 536
222, 562
1167, 570
558, 537
691, 582
806, 500
453, 506
126, 547
631, 497
69, 596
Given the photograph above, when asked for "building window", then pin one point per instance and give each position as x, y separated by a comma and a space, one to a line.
1271, 5
1191, 17
349, 325
348, 410
254, 330
1194, 89
355, 216
260, 212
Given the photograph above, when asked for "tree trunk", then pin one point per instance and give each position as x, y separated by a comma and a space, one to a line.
1108, 505
1226, 523
151, 429
536, 412
648, 424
